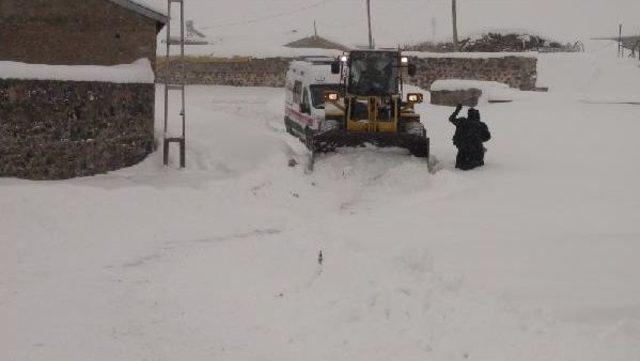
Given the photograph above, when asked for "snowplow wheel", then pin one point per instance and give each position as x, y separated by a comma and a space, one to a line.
420, 149
415, 128
419, 143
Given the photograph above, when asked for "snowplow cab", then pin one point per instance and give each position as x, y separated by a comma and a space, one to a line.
371, 107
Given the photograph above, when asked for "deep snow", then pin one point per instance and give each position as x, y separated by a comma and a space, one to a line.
533, 257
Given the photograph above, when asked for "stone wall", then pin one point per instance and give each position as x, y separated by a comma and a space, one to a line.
468, 98
518, 72
58, 130
268, 72
63, 32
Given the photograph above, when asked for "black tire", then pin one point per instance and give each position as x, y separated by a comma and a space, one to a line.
414, 128
420, 148
308, 138
287, 126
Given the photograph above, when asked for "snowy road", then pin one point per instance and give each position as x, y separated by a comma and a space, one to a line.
533, 257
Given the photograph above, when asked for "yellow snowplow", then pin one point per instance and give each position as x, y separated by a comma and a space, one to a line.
370, 106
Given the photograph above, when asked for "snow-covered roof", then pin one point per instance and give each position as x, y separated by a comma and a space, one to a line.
316, 42
314, 70
140, 72
150, 8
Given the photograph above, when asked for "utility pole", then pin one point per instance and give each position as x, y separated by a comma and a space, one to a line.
315, 29
454, 9
369, 21
620, 48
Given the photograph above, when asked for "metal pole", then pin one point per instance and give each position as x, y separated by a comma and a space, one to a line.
454, 9
183, 143
369, 21
620, 51
184, 70
168, 65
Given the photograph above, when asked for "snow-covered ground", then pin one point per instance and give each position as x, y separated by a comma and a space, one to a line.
534, 257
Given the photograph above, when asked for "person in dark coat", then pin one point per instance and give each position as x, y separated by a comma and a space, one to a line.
470, 135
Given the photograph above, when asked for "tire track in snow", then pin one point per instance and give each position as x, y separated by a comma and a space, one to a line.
170, 246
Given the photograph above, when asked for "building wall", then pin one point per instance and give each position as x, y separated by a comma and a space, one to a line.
269, 72
468, 98
517, 72
95, 32
58, 130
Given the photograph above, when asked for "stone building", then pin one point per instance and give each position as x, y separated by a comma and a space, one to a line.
96, 32
63, 127
316, 42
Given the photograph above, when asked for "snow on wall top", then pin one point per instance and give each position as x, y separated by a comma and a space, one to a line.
140, 72
491, 90
154, 9
474, 55
462, 84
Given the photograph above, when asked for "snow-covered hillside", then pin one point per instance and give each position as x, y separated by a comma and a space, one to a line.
534, 257
261, 28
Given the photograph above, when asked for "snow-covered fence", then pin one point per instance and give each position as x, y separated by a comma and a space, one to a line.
53, 129
517, 71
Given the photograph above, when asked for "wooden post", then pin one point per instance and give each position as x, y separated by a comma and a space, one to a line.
454, 9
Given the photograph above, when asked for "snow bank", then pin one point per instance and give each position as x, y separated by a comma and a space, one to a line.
137, 72
463, 84
491, 90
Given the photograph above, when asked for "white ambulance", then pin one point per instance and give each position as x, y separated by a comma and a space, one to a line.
307, 81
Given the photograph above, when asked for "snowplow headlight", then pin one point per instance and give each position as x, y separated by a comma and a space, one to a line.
404, 60
344, 58
332, 96
415, 98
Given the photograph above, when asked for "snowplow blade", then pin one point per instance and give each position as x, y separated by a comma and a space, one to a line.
329, 141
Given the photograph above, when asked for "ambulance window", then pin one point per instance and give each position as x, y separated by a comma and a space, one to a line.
305, 101
305, 98
297, 92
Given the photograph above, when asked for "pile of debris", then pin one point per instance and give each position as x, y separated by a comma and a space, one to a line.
493, 42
